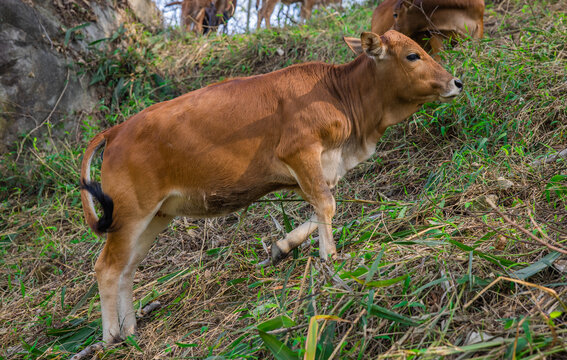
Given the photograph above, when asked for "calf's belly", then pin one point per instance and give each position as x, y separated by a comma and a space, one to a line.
212, 203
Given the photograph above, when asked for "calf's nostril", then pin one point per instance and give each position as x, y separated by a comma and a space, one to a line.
458, 83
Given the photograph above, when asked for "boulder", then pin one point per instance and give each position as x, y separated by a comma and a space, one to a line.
38, 79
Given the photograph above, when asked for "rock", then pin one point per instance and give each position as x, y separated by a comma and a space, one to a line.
561, 265
503, 183
146, 11
480, 203
37, 75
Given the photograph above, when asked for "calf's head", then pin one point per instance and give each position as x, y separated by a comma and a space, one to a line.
405, 72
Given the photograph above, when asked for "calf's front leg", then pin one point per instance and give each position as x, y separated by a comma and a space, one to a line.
306, 168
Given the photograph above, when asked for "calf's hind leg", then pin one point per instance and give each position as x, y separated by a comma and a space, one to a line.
115, 269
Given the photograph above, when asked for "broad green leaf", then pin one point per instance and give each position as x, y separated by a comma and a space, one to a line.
380, 283
236, 281
429, 284
536, 267
326, 345
519, 345
384, 313
277, 348
375, 265
386, 282
281, 321
73, 338
311, 342
183, 345
492, 258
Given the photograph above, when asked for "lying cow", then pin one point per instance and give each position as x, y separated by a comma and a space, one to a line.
299, 128
429, 22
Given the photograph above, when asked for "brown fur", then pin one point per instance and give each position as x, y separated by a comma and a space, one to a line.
433, 19
217, 149
193, 13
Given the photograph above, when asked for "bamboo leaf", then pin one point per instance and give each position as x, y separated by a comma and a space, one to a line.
536, 267
311, 342
384, 313
386, 282
281, 321
277, 348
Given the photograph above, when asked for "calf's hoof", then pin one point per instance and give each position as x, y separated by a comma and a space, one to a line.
277, 254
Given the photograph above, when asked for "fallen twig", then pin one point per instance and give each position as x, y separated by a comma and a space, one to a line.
89, 350
288, 329
302, 286
542, 288
338, 347
524, 231
549, 159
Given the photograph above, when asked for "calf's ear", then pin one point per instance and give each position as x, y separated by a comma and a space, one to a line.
353, 44
372, 45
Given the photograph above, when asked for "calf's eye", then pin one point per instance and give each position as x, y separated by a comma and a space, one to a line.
413, 57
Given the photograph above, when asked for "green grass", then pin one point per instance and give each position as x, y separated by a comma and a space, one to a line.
421, 244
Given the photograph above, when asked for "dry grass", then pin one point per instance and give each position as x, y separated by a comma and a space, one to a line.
416, 211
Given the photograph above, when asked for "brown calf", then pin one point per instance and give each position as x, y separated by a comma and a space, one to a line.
428, 22
217, 149
267, 8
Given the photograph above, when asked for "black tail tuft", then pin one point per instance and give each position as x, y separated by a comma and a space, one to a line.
104, 223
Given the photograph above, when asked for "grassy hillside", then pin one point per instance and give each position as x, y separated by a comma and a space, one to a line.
432, 270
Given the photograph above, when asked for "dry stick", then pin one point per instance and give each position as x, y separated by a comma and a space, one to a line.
526, 232
560, 155
549, 291
536, 225
358, 201
325, 322
337, 348
88, 351
288, 329
301, 287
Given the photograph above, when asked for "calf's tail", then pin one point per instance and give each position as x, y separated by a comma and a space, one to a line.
92, 190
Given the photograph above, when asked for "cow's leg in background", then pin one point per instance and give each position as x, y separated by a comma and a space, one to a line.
265, 12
